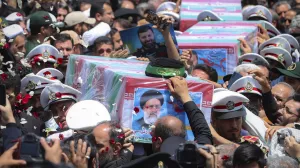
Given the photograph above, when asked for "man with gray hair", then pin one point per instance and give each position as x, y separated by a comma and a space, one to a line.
281, 8
276, 161
281, 92
243, 69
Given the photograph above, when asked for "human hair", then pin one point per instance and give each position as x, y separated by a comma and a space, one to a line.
85, 138
210, 71
125, 24
288, 86
144, 29
252, 107
248, 153
63, 6
276, 161
163, 131
112, 32
102, 40
279, 3
245, 68
151, 94
63, 38
97, 8
226, 152
249, 2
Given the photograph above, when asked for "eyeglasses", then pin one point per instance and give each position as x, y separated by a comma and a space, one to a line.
153, 106
108, 50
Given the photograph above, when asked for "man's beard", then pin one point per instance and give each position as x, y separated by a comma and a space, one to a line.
150, 119
105, 158
149, 45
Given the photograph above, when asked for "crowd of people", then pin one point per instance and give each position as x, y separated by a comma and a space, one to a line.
255, 115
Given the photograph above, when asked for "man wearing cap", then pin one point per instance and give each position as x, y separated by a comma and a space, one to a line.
44, 56
292, 75
39, 28
78, 22
151, 102
65, 45
79, 44
227, 113
58, 98
103, 12
17, 18
16, 39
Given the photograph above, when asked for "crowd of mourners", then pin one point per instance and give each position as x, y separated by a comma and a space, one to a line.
255, 116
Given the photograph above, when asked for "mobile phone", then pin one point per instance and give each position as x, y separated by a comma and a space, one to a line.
2, 95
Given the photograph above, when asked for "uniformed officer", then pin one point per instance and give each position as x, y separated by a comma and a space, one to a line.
227, 113
208, 15
44, 56
51, 74
58, 98
149, 47
252, 57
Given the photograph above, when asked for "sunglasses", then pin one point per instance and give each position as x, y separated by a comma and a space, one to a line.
108, 50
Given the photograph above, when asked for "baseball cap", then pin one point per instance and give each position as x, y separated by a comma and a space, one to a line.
76, 17
75, 37
292, 71
40, 18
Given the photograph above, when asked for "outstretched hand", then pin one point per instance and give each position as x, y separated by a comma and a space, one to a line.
168, 20
7, 114
179, 89
6, 159
185, 58
244, 46
261, 79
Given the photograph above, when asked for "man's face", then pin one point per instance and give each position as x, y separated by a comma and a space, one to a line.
49, 31
60, 110
18, 45
81, 28
10, 92
34, 101
151, 111
288, 18
108, 15
229, 128
147, 39
281, 93
61, 14
66, 48
102, 138
294, 82
118, 43
200, 74
281, 10
104, 50
290, 112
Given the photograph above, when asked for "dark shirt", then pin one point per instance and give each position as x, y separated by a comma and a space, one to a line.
159, 50
198, 123
125, 157
143, 124
10, 135
270, 106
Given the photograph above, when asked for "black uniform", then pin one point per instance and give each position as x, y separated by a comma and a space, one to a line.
159, 50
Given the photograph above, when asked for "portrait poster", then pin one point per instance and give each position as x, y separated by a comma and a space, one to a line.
145, 41
151, 104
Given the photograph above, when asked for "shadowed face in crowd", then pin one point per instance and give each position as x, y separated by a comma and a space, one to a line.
60, 110
290, 112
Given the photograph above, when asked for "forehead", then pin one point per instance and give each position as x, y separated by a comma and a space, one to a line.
293, 104
101, 132
149, 32
107, 7
153, 101
104, 46
66, 43
19, 39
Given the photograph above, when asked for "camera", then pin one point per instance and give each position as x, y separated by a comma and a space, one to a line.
154, 19
283, 134
188, 156
30, 149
